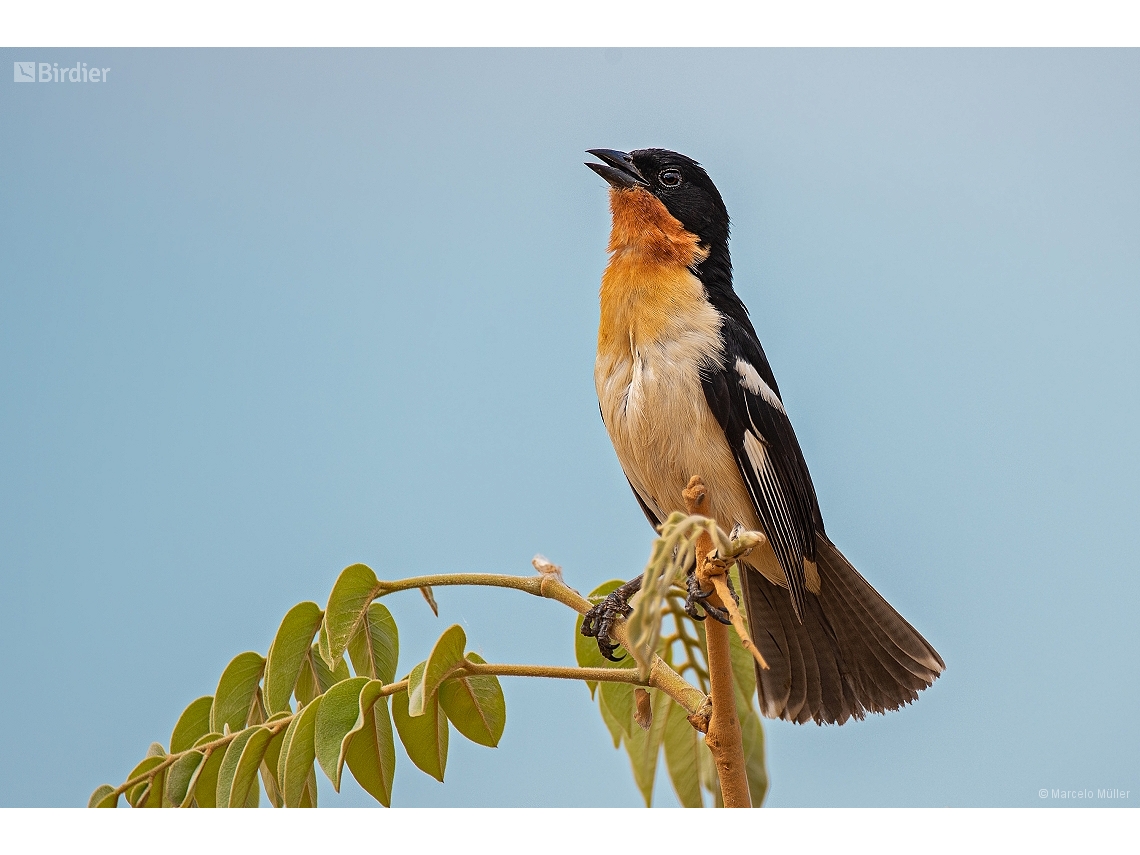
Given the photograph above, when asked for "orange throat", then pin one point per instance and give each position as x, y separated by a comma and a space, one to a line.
649, 280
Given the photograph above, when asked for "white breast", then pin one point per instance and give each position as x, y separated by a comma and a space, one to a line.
654, 408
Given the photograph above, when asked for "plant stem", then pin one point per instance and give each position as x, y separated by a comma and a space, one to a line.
598, 675
723, 738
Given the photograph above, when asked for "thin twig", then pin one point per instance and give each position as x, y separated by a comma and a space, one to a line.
598, 675
720, 584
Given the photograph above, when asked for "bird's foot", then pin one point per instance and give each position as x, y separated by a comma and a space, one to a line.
698, 598
599, 621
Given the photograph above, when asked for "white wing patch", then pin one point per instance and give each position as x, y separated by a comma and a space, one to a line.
754, 383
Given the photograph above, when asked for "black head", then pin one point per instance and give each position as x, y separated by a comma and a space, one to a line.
688, 194
678, 181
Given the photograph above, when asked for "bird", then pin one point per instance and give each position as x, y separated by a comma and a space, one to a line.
684, 388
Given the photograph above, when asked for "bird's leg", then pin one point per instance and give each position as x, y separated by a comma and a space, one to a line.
599, 620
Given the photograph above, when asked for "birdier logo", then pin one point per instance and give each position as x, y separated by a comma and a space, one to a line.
51, 72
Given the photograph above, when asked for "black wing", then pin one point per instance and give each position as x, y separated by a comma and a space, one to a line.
743, 395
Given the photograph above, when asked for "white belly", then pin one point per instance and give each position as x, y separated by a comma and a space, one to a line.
663, 431
654, 408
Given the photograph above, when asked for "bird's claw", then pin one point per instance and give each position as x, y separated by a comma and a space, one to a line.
599, 620
696, 597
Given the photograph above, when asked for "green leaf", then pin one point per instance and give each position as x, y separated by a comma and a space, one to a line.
424, 736
617, 732
356, 587
710, 781
193, 723
475, 705
139, 794
752, 738
287, 654
339, 713
204, 786
447, 653
416, 689
309, 791
585, 648
237, 692
644, 747
743, 669
375, 646
269, 769
307, 686
316, 677
681, 758
229, 766
152, 796
371, 754
298, 752
178, 778
618, 697
103, 797
237, 779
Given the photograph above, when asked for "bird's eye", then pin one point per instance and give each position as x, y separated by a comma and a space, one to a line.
670, 177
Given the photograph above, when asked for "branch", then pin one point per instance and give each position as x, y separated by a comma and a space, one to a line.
723, 738
549, 586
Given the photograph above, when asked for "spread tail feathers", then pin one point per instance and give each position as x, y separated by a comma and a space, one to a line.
853, 654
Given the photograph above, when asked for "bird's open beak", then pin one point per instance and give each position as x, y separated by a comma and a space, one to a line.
618, 169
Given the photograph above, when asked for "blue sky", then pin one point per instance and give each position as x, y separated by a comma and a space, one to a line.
265, 313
